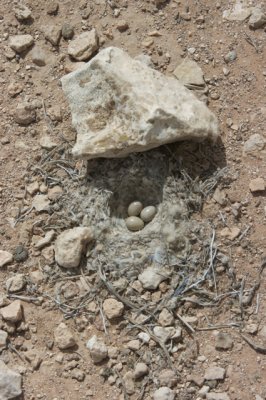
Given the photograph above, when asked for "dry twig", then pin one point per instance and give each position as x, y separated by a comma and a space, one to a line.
254, 346
187, 325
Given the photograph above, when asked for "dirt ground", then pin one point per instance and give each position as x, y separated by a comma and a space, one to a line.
237, 97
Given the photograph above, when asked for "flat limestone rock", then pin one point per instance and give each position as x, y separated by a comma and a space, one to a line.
120, 106
21, 43
84, 46
10, 382
189, 73
239, 12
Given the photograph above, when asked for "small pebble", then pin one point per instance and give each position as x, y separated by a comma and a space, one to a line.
134, 223
20, 253
215, 96
148, 213
67, 31
230, 56
134, 209
140, 370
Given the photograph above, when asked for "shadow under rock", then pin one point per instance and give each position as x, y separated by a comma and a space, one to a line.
199, 160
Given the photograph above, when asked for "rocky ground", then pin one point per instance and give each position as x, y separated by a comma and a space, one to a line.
72, 327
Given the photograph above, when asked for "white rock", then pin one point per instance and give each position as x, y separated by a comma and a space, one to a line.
120, 106
145, 59
217, 396
84, 45
64, 337
12, 312
162, 333
140, 370
41, 202
3, 339
144, 337
70, 245
238, 13
214, 373
257, 19
151, 277
164, 393
5, 258
98, 349
189, 73
15, 283
113, 308
10, 382
254, 144
20, 43
22, 12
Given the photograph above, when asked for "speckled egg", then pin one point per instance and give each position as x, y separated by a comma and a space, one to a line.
134, 209
134, 224
148, 213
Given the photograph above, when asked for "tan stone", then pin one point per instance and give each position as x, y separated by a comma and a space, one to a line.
49, 236
12, 312
15, 283
165, 318
70, 245
230, 233
64, 337
54, 193
41, 202
84, 45
113, 308
32, 188
20, 43
257, 185
24, 114
5, 258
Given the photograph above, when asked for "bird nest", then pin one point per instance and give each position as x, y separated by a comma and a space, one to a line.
175, 240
